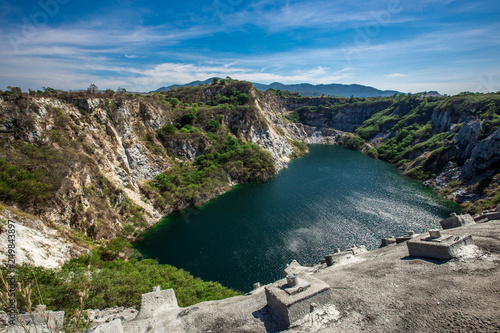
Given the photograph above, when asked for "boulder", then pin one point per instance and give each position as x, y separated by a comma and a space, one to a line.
456, 221
484, 157
467, 137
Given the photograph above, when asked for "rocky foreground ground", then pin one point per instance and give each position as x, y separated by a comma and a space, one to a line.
384, 290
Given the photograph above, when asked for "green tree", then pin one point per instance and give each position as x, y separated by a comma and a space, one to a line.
92, 88
243, 98
174, 101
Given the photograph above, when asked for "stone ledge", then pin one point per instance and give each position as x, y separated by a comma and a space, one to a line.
440, 248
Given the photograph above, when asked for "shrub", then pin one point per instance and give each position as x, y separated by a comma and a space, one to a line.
293, 116
174, 101
166, 130
354, 143
111, 282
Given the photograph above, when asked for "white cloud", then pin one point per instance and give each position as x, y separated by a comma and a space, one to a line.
168, 73
395, 75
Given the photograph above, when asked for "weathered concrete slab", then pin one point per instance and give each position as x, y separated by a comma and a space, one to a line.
441, 248
287, 308
39, 320
485, 217
156, 299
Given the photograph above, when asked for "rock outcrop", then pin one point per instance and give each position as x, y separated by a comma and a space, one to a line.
467, 137
36, 243
484, 158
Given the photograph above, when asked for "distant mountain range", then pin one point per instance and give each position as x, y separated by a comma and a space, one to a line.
306, 89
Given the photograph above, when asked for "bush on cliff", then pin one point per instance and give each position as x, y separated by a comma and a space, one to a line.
107, 283
188, 182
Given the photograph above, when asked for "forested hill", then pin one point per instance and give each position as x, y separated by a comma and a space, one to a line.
334, 89
306, 89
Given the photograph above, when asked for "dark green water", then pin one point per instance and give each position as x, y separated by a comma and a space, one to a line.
331, 198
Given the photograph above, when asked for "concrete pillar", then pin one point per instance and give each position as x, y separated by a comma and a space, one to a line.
292, 280
435, 233
329, 260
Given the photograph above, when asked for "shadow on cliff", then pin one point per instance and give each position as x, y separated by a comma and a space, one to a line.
434, 261
264, 315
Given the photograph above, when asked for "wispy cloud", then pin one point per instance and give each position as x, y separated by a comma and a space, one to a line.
168, 73
289, 41
395, 75
279, 16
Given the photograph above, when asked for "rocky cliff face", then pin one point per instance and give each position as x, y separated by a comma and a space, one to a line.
449, 142
484, 158
108, 148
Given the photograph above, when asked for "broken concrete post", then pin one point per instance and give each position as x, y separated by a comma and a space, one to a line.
435, 233
329, 260
313, 307
292, 280
358, 249
293, 268
156, 299
256, 286
156, 289
388, 241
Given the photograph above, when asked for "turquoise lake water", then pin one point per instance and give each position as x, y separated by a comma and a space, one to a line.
331, 198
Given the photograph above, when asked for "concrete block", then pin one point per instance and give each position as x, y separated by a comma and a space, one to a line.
153, 300
329, 260
358, 249
293, 268
442, 248
388, 241
434, 233
456, 221
403, 239
42, 319
491, 216
289, 304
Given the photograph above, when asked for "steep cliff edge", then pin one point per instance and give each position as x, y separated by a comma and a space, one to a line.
95, 167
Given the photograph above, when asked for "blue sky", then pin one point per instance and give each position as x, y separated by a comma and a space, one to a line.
410, 46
